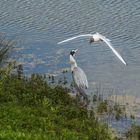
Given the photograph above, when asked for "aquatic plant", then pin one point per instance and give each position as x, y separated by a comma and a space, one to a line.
133, 133
5, 48
106, 108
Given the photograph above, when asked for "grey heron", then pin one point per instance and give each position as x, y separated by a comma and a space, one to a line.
79, 76
95, 38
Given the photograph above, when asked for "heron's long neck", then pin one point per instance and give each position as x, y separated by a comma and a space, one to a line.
73, 64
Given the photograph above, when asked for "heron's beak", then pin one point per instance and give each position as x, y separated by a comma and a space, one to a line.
76, 50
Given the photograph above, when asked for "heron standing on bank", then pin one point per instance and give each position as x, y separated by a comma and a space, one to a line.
79, 77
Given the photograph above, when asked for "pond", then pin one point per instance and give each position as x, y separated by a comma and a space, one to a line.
38, 25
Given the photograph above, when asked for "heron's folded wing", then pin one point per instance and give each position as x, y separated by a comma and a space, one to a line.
80, 78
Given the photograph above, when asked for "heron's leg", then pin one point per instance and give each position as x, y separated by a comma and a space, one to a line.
78, 97
86, 101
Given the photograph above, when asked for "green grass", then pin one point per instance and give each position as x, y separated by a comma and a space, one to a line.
32, 109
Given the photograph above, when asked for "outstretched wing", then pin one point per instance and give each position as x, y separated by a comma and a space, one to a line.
107, 41
80, 78
69, 39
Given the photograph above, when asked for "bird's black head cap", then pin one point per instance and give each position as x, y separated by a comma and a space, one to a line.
72, 52
91, 40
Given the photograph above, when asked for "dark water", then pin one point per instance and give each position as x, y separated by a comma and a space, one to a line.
37, 26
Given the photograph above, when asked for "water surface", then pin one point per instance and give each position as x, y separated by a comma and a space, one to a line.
37, 26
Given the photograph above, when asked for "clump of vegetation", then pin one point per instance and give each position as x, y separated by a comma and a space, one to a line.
133, 133
102, 106
5, 48
118, 111
105, 107
32, 108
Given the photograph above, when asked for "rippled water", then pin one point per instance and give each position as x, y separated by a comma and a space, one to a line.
37, 26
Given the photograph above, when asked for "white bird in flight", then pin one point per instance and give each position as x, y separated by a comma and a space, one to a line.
95, 38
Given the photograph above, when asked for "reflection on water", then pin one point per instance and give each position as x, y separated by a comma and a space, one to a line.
39, 25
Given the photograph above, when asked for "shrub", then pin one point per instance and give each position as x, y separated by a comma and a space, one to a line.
33, 109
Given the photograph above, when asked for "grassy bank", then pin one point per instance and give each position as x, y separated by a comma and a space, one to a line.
32, 109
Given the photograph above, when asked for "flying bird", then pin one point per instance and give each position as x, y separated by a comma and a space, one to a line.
79, 76
95, 38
